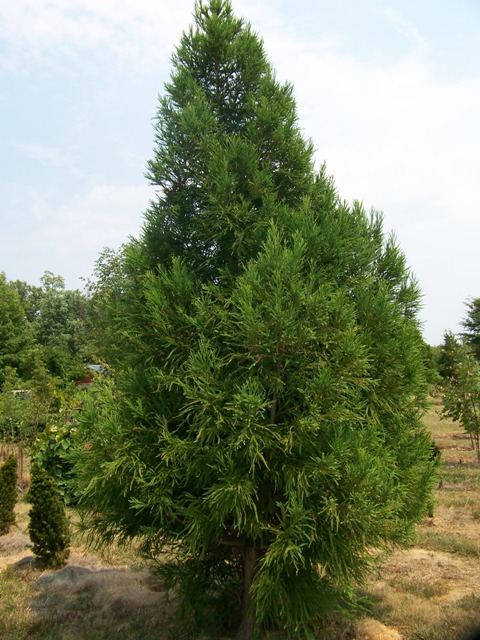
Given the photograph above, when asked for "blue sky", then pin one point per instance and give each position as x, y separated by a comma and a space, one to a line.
389, 92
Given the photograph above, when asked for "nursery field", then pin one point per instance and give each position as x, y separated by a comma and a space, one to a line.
430, 591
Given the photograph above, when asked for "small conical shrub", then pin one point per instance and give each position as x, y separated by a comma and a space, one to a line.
8, 493
48, 528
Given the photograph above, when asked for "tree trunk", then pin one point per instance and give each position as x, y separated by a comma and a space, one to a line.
247, 625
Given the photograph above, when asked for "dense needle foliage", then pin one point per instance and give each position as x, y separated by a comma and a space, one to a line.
8, 493
48, 527
265, 418
471, 326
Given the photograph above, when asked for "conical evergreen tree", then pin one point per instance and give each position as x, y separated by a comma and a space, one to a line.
8, 494
48, 527
265, 424
228, 148
471, 325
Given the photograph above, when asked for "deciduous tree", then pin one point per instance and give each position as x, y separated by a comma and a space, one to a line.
461, 398
60, 327
104, 292
16, 336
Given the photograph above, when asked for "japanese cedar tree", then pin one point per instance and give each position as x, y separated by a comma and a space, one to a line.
265, 421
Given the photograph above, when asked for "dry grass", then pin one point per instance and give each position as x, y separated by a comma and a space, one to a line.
104, 597
430, 591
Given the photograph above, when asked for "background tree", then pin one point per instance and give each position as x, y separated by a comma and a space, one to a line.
448, 356
432, 365
16, 337
461, 397
471, 325
265, 423
60, 328
43, 326
30, 296
104, 291
48, 526
8, 493
44, 344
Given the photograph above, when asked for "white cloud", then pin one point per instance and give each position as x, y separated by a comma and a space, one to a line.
402, 138
106, 216
135, 32
58, 158
388, 133
394, 132
67, 238
396, 19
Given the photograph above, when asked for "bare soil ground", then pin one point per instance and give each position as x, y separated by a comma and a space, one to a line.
430, 591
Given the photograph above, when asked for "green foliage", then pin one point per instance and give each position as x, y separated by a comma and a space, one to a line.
228, 149
26, 407
47, 394
461, 398
14, 407
53, 444
210, 592
104, 291
30, 296
51, 452
54, 441
16, 336
43, 327
8, 493
448, 356
433, 366
48, 527
60, 325
264, 425
471, 325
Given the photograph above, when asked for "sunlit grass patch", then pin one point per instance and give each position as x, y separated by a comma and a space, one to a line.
15, 615
403, 609
467, 502
469, 603
421, 588
433, 421
459, 621
464, 474
423, 610
449, 629
412, 608
447, 542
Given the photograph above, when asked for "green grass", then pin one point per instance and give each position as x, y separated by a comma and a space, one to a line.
445, 631
14, 615
464, 474
466, 501
421, 589
448, 542
469, 603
